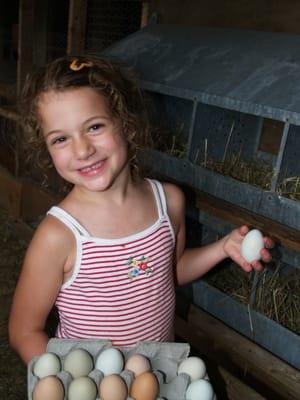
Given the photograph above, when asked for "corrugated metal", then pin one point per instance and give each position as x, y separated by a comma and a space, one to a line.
252, 72
217, 85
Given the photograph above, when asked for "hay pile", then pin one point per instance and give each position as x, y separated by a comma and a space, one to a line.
172, 144
254, 172
277, 294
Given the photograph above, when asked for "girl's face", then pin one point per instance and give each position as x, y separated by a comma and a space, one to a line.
85, 143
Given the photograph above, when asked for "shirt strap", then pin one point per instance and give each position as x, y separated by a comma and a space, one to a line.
68, 220
160, 197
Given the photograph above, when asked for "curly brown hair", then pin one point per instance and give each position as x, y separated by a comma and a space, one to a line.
117, 83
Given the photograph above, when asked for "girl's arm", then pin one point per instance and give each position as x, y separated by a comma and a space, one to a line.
38, 285
193, 263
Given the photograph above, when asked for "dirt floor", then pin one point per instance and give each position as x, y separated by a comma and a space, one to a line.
13, 378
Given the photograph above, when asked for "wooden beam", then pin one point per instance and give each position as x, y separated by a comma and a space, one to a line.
76, 26
40, 29
286, 236
145, 14
236, 389
25, 43
258, 368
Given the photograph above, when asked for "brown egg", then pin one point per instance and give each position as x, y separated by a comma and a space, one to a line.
113, 387
48, 388
138, 364
145, 387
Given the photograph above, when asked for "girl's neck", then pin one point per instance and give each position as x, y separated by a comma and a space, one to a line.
116, 193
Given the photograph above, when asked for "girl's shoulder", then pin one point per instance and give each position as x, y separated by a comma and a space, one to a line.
175, 200
174, 196
53, 232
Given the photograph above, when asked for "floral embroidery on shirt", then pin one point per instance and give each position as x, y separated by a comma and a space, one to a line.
138, 266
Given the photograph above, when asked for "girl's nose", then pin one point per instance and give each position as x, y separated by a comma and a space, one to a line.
83, 148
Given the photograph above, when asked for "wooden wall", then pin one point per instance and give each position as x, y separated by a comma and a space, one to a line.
263, 15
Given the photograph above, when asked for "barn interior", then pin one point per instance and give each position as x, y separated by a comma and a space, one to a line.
221, 80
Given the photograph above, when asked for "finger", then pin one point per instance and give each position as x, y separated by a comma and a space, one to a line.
247, 267
257, 266
268, 242
265, 255
243, 230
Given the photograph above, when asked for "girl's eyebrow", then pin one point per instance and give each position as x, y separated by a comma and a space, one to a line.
86, 122
95, 117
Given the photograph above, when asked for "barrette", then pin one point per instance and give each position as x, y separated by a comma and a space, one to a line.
76, 66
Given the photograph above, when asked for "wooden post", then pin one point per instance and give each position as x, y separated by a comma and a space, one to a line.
25, 45
145, 13
2, 12
25, 56
40, 35
77, 26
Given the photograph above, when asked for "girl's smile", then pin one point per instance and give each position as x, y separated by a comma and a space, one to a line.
93, 169
84, 141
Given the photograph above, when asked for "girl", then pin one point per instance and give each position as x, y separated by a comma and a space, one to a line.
109, 255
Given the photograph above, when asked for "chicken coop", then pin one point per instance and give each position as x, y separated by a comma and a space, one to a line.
224, 110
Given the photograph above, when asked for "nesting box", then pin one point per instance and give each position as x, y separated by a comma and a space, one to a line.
220, 96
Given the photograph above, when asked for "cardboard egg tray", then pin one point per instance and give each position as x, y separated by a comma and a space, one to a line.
164, 359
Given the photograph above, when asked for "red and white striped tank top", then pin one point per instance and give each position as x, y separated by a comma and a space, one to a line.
121, 289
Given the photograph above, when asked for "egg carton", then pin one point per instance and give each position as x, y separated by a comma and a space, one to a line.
164, 359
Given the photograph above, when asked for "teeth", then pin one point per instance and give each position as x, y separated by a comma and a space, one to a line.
92, 167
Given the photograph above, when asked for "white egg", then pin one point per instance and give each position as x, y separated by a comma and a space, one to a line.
200, 389
192, 366
251, 245
83, 388
47, 364
110, 361
78, 362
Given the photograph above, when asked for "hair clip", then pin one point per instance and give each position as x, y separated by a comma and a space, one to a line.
76, 66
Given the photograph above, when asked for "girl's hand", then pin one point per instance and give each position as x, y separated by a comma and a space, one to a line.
232, 248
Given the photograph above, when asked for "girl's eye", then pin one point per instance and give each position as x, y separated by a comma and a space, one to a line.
95, 127
59, 140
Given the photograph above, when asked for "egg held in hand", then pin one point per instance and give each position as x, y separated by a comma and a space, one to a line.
251, 245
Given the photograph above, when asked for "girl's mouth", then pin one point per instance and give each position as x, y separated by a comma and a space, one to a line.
92, 169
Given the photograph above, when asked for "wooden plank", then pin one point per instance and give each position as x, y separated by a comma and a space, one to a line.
258, 368
270, 137
145, 14
10, 193
40, 28
236, 389
76, 26
286, 236
25, 42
